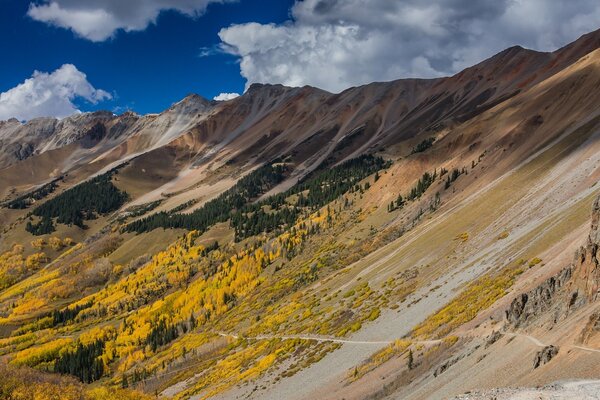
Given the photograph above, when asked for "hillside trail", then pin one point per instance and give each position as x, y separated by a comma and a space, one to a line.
430, 342
316, 338
532, 339
379, 343
327, 339
539, 343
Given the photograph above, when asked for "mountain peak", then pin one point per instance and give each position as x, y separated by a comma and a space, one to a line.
191, 103
195, 98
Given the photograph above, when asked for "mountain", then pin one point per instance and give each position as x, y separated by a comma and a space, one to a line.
410, 239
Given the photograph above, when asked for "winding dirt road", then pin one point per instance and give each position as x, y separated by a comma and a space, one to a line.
324, 339
328, 339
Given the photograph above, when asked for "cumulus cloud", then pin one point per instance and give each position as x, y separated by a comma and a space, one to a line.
98, 20
334, 44
49, 94
226, 96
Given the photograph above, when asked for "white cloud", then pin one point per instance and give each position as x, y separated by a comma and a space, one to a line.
226, 96
98, 20
334, 44
49, 94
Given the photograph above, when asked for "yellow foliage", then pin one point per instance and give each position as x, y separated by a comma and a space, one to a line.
28, 384
35, 260
375, 313
104, 393
503, 235
103, 333
42, 353
12, 266
70, 251
241, 366
378, 358
38, 243
29, 305
534, 262
55, 243
479, 295
451, 340
463, 237
180, 284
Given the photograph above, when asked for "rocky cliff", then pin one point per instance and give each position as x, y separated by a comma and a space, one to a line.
585, 284
572, 287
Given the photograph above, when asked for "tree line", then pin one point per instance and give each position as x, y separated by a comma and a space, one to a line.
24, 201
423, 145
249, 217
312, 192
453, 176
219, 209
424, 182
84, 362
97, 196
69, 313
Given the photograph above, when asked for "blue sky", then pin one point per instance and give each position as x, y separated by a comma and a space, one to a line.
146, 71
144, 55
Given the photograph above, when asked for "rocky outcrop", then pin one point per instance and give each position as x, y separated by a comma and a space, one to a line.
544, 356
591, 329
537, 301
493, 338
22, 150
571, 288
585, 285
446, 364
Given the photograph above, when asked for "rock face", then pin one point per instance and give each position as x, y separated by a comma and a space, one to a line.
22, 150
493, 338
537, 301
585, 284
571, 288
592, 328
545, 355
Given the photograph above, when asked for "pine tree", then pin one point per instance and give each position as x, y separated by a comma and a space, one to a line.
83, 362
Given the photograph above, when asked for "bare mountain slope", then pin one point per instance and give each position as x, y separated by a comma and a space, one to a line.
270, 121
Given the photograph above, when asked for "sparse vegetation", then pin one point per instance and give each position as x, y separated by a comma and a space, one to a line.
462, 237
396, 349
262, 268
453, 176
416, 192
28, 199
503, 235
535, 261
477, 296
422, 185
423, 145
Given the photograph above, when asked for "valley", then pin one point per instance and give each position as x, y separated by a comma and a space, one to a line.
413, 239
